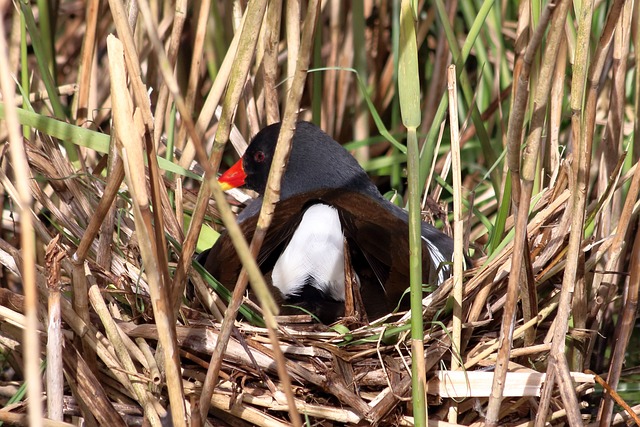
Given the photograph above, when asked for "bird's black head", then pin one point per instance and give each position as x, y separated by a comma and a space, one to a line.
316, 161
258, 158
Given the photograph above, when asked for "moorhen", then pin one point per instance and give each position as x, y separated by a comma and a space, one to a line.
326, 197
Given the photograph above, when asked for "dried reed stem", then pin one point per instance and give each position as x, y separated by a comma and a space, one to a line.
128, 124
55, 379
530, 157
458, 228
27, 241
86, 62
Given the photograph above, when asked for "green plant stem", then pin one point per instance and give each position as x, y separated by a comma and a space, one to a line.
409, 93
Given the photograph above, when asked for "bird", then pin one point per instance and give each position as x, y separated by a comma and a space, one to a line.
328, 205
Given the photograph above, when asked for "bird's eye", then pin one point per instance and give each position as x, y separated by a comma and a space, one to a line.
258, 157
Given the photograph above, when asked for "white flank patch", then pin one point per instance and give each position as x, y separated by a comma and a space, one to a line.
317, 250
437, 258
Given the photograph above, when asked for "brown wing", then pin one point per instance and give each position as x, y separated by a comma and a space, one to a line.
377, 237
223, 262
380, 237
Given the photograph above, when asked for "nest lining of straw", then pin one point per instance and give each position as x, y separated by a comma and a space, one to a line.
362, 376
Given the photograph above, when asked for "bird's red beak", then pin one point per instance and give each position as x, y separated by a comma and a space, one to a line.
233, 177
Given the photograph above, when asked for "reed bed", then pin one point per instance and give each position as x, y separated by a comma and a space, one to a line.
516, 126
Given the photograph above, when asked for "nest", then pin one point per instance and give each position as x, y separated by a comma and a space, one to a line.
129, 343
339, 374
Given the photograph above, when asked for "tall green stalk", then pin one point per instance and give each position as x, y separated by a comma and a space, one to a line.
409, 91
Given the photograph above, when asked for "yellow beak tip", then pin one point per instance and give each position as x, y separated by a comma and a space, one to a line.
225, 186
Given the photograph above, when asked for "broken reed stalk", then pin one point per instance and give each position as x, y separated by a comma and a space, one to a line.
91, 396
104, 254
129, 125
54, 376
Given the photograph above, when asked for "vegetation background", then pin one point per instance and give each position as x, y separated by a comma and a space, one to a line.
112, 112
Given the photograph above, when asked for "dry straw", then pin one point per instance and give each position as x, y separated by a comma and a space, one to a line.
123, 106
